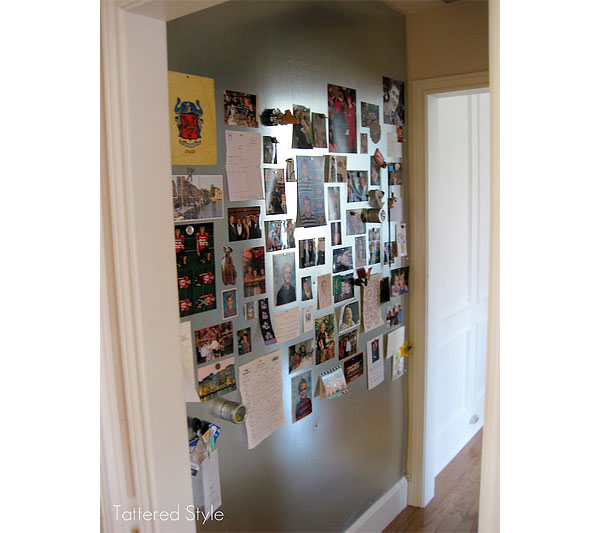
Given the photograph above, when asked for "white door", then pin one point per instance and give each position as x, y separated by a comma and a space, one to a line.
458, 227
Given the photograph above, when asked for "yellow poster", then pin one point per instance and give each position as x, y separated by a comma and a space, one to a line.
192, 123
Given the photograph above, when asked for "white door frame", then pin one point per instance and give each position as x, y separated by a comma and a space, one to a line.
421, 478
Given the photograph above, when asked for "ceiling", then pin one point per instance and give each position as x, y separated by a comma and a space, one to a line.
171, 9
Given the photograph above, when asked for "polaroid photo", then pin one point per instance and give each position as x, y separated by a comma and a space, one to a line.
300, 355
213, 342
197, 197
343, 287
253, 266
348, 344
229, 300
336, 233
333, 204
244, 223
324, 298
347, 316
324, 338
301, 395
244, 337
307, 288
284, 277
216, 379
342, 259
341, 109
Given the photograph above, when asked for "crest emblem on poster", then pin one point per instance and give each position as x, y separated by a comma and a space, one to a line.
188, 117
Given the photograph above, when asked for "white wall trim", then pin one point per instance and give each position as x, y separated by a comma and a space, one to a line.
144, 460
421, 477
377, 517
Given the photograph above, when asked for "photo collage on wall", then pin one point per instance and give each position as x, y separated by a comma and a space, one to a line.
311, 243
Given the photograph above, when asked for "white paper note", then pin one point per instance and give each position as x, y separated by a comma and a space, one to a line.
393, 146
375, 372
243, 165
308, 318
211, 481
287, 325
185, 344
261, 388
395, 340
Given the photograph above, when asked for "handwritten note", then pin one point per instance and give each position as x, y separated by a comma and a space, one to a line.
243, 165
262, 395
370, 303
287, 325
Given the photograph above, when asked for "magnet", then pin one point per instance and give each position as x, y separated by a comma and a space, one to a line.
379, 158
374, 216
376, 198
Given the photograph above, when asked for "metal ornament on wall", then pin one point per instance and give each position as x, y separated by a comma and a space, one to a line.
275, 117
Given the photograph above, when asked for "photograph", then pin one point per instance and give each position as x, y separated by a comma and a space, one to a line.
360, 248
341, 167
399, 281
369, 114
364, 143
301, 396
228, 271
336, 233
354, 223
307, 288
375, 173
393, 102
393, 315
395, 173
375, 349
290, 172
216, 379
348, 344
342, 259
213, 342
280, 234
357, 186
333, 204
319, 131
324, 339
244, 223
374, 246
244, 337
284, 278
302, 132
311, 191
308, 253
324, 299
384, 290
347, 316
300, 355
253, 265
341, 109
240, 109
401, 240
249, 313
195, 257
353, 367
197, 197
330, 169
269, 150
275, 191
343, 287
321, 251
229, 299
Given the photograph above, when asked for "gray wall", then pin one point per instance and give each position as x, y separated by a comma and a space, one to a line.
323, 472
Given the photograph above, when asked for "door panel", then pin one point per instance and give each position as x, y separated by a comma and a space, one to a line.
458, 226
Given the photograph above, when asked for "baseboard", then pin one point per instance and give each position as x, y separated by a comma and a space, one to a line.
377, 517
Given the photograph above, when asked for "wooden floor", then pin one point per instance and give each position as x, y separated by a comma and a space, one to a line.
455, 507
